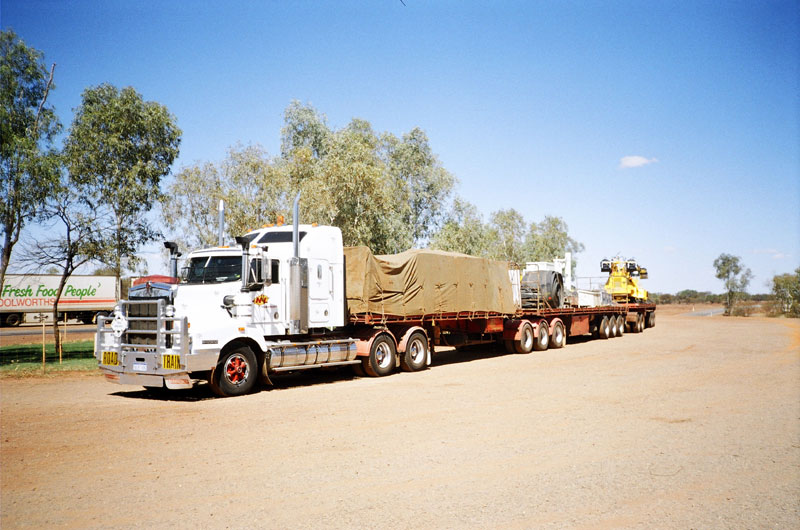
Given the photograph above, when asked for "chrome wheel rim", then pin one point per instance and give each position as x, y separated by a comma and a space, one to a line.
383, 355
236, 370
417, 351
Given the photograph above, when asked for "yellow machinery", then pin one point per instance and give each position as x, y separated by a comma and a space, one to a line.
623, 280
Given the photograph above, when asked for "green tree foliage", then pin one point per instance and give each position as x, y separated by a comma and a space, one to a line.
255, 189
507, 236
550, 239
118, 149
382, 191
786, 289
421, 185
734, 275
463, 231
28, 161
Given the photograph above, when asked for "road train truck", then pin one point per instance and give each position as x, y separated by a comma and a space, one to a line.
289, 298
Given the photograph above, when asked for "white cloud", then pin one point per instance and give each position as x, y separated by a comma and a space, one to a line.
635, 161
774, 253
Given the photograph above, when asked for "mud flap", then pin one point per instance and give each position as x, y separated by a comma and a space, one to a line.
263, 375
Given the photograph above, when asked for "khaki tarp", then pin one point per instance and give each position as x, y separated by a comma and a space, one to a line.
425, 282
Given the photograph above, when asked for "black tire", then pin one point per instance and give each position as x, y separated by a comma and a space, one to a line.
13, 320
509, 346
620, 325
415, 357
640, 322
236, 373
651, 319
558, 337
558, 295
612, 327
526, 339
633, 327
603, 329
382, 355
542, 337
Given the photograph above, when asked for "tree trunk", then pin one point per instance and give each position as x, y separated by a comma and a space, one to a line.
61, 285
9, 240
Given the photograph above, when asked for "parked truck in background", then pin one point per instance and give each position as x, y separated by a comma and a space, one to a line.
293, 298
30, 298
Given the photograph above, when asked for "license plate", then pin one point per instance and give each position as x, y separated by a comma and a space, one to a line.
139, 367
171, 361
110, 358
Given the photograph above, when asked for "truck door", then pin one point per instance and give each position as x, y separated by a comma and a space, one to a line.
269, 305
320, 287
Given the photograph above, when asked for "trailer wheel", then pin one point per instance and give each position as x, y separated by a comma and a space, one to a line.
558, 337
381, 360
651, 319
236, 373
604, 330
525, 342
416, 354
640, 322
13, 320
612, 327
620, 325
542, 337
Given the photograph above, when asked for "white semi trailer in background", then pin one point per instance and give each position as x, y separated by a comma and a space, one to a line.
30, 298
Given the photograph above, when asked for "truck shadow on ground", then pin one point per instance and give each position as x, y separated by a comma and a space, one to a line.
202, 391
324, 376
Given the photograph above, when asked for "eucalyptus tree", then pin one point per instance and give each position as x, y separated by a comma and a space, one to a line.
119, 147
734, 275
463, 231
28, 125
549, 239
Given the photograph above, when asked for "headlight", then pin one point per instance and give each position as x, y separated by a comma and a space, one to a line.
169, 311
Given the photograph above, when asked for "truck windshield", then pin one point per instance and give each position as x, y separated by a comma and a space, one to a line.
213, 269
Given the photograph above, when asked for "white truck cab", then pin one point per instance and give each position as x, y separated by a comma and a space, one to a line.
236, 312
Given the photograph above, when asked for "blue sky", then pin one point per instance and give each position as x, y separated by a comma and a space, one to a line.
531, 105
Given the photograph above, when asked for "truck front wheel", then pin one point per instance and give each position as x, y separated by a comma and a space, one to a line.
381, 360
236, 373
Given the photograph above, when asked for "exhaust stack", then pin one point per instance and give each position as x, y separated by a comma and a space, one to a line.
295, 225
173, 257
244, 242
221, 229
298, 279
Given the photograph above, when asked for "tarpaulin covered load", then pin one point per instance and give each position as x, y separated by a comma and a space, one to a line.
425, 282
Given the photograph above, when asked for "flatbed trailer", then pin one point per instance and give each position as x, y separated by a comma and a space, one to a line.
521, 332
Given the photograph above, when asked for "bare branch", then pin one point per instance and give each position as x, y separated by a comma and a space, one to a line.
44, 98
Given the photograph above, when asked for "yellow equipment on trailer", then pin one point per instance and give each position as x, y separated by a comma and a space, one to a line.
623, 280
